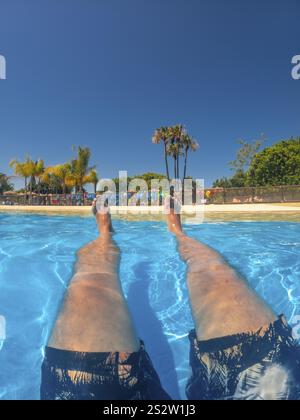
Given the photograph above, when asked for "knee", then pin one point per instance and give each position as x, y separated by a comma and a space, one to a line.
93, 293
85, 250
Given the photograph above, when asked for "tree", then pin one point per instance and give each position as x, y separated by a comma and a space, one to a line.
222, 183
5, 185
177, 144
175, 152
245, 154
176, 136
63, 173
51, 184
277, 165
80, 168
240, 165
274, 166
92, 178
24, 170
38, 172
188, 144
34, 171
162, 135
148, 177
239, 180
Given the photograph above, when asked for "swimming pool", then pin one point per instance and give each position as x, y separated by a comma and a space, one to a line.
36, 259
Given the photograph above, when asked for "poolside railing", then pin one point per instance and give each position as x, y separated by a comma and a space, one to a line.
248, 195
252, 195
47, 200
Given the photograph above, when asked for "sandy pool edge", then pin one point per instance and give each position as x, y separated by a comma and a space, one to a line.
222, 208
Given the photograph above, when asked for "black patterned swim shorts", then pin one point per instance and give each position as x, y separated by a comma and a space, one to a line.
70, 375
261, 366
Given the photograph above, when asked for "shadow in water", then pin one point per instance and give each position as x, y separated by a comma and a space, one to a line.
150, 330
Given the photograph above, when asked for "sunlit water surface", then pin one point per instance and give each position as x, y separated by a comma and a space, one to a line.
37, 254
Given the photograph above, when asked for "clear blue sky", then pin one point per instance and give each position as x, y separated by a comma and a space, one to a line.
106, 73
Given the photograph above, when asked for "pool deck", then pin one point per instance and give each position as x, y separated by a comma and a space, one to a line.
208, 213
226, 208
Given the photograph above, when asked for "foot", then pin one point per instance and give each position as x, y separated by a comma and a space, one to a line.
174, 223
104, 223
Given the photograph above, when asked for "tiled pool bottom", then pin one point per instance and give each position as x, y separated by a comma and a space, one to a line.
36, 261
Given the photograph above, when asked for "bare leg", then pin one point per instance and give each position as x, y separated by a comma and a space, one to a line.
95, 316
222, 302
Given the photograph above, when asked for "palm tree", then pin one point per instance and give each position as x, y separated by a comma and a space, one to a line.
92, 178
172, 140
5, 184
177, 143
188, 144
46, 180
39, 170
175, 151
35, 170
23, 169
80, 168
162, 135
63, 173
172, 151
177, 134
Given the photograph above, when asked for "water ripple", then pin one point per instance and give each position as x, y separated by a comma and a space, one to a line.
37, 254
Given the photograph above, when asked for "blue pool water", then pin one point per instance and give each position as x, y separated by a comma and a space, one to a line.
36, 259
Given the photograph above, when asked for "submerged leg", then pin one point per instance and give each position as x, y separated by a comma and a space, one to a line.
222, 302
95, 316
239, 349
93, 352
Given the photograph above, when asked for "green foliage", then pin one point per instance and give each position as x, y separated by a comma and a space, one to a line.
5, 185
80, 168
92, 178
245, 154
239, 180
51, 184
29, 170
222, 183
276, 165
148, 177
57, 179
